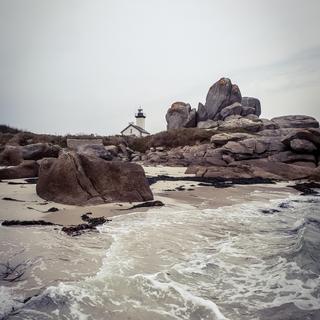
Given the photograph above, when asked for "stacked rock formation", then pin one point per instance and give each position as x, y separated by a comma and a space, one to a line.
223, 102
286, 147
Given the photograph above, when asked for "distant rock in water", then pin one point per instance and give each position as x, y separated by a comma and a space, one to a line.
80, 179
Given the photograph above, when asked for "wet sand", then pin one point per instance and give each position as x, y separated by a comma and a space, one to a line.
57, 261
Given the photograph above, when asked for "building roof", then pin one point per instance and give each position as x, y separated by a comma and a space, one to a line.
136, 127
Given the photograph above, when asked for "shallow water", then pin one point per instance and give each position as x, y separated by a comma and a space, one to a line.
177, 263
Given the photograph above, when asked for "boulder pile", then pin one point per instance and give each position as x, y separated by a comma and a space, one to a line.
223, 102
242, 144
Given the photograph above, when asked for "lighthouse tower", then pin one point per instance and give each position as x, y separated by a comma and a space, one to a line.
140, 118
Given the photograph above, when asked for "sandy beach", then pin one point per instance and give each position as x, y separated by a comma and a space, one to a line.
205, 252
29, 206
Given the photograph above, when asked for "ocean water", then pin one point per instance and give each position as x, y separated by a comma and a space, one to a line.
234, 262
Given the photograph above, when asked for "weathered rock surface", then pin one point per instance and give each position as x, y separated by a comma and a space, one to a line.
81, 179
232, 110
221, 139
112, 149
260, 168
302, 145
95, 150
296, 121
13, 155
315, 176
243, 172
253, 148
289, 157
284, 171
269, 125
310, 134
247, 111
237, 123
26, 169
311, 165
225, 103
40, 150
252, 103
208, 124
180, 115
222, 94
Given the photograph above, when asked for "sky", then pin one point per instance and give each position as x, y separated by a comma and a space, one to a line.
85, 66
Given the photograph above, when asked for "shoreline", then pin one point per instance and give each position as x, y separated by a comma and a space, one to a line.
29, 206
65, 262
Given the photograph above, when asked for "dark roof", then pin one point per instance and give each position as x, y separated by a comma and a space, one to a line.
136, 127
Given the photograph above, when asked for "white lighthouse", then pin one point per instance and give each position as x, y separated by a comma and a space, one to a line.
137, 129
140, 118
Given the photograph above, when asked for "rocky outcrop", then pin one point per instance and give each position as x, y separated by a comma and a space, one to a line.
222, 94
180, 115
80, 179
26, 169
224, 103
238, 139
242, 145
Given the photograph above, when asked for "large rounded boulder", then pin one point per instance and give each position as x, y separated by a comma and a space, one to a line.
180, 115
81, 179
221, 94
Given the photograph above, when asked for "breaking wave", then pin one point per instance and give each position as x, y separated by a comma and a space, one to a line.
233, 262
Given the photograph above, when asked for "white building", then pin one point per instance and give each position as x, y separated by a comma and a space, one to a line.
137, 129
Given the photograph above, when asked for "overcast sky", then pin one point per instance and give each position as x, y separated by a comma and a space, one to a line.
84, 66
